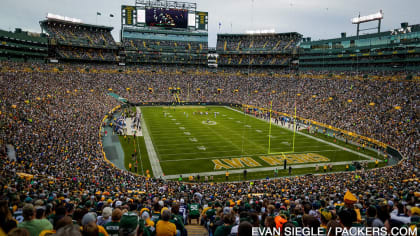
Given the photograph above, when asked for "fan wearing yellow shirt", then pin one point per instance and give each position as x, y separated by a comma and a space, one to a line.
164, 227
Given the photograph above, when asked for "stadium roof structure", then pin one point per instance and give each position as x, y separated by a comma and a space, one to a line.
24, 36
262, 34
414, 28
64, 22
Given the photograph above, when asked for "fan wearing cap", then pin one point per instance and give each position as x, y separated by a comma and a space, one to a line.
350, 199
105, 217
149, 225
130, 225
415, 214
34, 226
89, 224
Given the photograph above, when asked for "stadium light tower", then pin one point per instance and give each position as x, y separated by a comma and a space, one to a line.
364, 19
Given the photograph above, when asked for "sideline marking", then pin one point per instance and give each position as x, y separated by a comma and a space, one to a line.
153, 158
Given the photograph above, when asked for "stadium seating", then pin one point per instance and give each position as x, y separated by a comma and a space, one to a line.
257, 49
390, 50
51, 117
22, 46
147, 51
257, 42
160, 45
77, 41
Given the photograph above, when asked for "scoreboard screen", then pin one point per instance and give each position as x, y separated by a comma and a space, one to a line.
163, 17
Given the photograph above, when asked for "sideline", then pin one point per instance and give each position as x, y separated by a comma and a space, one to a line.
154, 161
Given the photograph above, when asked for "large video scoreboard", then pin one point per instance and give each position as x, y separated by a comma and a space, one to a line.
164, 14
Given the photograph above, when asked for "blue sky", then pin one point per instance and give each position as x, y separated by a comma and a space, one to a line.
319, 19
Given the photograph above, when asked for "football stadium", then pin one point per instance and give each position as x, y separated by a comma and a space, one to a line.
158, 117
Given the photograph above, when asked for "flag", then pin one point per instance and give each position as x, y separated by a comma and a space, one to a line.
111, 15
98, 13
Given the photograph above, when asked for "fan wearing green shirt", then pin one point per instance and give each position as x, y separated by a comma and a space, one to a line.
34, 226
113, 227
194, 212
224, 230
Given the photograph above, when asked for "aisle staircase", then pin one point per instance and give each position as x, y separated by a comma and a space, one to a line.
277, 45
288, 44
196, 230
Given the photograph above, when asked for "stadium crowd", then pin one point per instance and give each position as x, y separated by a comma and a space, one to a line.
265, 60
259, 42
87, 54
166, 45
76, 33
60, 184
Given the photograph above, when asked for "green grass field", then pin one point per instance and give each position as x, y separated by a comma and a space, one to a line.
189, 143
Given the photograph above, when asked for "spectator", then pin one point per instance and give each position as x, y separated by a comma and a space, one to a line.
245, 229
129, 225
68, 230
18, 232
89, 226
6, 220
112, 228
105, 217
164, 227
34, 226
224, 230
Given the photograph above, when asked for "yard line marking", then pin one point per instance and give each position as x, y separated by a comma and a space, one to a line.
187, 133
221, 137
201, 148
210, 122
153, 158
182, 128
193, 139
259, 131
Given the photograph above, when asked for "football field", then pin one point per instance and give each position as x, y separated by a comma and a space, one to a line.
210, 139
